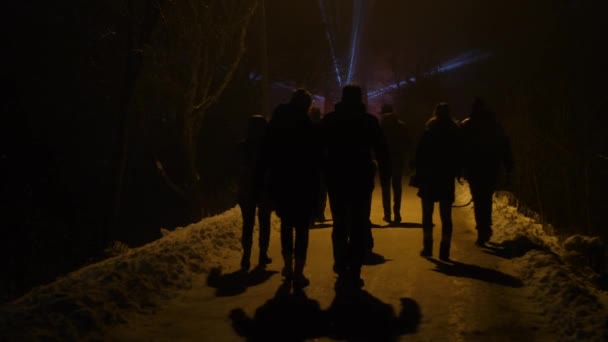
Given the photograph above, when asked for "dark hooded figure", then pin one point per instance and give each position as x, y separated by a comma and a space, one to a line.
437, 165
487, 148
291, 161
249, 153
351, 138
398, 143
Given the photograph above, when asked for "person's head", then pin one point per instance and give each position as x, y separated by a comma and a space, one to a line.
352, 94
301, 99
256, 127
386, 109
442, 111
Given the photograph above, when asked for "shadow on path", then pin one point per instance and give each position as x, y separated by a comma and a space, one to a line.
321, 225
512, 248
232, 284
354, 315
459, 269
373, 258
398, 225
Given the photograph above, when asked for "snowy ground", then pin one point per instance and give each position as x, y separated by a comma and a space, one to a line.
526, 286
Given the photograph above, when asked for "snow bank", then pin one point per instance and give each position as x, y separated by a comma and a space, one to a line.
559, 273
80, 304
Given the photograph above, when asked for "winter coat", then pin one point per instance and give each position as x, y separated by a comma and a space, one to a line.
248, 154
486, 147
438, 160
291, 156
352, 140
397, 139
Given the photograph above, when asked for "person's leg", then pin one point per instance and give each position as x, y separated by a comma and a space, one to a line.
361, 233
339, 234
287, 249
486, 210
482, 202
427, 227
445, 211
397, 177
248, 215
264, 213
385, 184
301, 247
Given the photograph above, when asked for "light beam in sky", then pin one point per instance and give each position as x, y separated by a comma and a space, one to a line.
469, 57
330, 40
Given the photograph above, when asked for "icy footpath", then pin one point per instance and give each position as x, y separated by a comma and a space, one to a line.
559, 273
79, 305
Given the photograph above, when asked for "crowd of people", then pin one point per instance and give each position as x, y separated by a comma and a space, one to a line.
290, 164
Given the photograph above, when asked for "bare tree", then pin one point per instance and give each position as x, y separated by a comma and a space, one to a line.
192, 58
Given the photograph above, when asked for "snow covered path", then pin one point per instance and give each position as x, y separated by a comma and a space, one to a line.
476, 298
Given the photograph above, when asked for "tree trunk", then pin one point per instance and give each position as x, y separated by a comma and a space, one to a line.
192, 185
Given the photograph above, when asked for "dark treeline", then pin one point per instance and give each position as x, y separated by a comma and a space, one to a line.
119, 118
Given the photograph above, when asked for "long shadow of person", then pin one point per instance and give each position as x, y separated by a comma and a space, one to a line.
321, 225
285, 317
373, 258
232, 284
512, 248
356, 315
401, 225
459, 269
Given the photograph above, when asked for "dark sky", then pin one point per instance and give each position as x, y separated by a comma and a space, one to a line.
417, 33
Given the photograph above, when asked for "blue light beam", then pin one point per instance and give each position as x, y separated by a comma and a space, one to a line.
330, 40
467, 58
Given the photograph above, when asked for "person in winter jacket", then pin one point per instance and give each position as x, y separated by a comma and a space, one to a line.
290, 159
487, 150
398, 143
351, 138
249, 153
437, 165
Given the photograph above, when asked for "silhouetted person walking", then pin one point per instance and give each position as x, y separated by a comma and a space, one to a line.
351, 137
248, 199
486, 150
397, 141
291, 158
437, 165
315, 117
